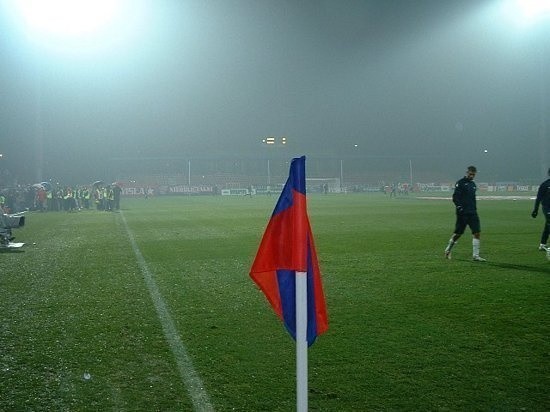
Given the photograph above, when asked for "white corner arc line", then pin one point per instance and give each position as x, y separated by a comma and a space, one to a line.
189, 375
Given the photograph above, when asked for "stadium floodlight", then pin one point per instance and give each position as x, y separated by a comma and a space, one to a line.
66, 17
76, 26
274, 141
525, 13
533, 10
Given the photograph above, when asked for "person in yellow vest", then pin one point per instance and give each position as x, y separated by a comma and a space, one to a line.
99, 198
106, 198
70, 204
86, 197
109, 198
49, 200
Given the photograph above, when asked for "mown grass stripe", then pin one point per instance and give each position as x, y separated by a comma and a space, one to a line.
189, 375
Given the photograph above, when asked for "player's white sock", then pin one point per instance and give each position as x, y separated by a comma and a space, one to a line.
475, 246
450, 245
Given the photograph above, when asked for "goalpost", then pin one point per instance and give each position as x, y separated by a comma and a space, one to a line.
324, 184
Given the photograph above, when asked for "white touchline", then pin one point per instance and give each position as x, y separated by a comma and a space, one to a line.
189, 375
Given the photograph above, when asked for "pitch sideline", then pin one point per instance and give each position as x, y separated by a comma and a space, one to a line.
189, 375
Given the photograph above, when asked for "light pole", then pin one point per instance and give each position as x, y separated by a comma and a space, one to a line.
534, 16
411, 172
271, 143
38, 124
71, 29
341, 175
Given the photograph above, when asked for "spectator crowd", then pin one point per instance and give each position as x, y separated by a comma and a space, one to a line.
44, 197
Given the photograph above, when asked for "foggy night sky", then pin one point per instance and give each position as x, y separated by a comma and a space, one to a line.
424, 79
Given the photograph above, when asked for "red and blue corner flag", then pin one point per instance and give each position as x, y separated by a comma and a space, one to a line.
287, 247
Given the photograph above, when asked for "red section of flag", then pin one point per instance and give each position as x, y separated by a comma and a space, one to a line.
287, 247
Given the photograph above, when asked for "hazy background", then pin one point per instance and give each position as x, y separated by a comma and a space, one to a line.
432, 82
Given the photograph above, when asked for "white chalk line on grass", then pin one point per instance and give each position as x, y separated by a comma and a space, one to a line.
189, 375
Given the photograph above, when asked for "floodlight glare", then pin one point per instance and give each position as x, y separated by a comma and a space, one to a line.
534, 9
527, 12
67, 17
78, 27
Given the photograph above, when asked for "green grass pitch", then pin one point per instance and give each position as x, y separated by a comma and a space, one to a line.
81, 329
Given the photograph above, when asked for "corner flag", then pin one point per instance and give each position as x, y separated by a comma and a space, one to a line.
287, 249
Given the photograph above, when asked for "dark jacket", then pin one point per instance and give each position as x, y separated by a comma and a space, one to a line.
464, 196
543, 196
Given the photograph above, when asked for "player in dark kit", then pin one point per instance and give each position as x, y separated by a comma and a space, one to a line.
464, 198
543, 197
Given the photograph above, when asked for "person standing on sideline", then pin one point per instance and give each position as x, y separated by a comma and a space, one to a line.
543, 197
464, 198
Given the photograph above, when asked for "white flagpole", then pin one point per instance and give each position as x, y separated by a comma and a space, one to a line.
301, 342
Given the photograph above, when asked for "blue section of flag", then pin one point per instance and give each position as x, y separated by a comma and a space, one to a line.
287, 247
296, 181
287, 291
